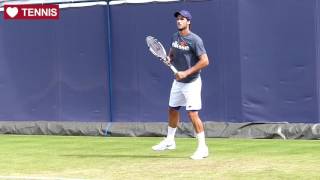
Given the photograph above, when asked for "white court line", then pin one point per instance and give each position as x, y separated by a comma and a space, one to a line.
37, 178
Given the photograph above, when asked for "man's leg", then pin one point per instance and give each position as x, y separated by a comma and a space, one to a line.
192, 93
168, 142
202, 149
196, 121
176, 100
174, 116
173, 122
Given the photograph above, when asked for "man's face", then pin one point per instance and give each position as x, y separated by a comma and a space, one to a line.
182, 22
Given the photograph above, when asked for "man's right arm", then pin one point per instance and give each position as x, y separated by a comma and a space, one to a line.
170, 55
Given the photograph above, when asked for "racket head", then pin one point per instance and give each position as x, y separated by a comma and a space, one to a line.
156, 47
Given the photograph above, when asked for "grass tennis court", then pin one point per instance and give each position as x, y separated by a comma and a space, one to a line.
78, 157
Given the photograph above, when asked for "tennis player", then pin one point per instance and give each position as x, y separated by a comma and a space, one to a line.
188, 55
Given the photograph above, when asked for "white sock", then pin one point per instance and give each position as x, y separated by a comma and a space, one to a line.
201, 139
171, 133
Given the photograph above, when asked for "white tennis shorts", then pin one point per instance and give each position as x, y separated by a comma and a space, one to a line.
186, 94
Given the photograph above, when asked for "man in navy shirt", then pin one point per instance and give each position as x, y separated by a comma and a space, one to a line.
188, 55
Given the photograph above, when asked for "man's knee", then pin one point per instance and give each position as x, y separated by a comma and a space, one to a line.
193, 114
172, 109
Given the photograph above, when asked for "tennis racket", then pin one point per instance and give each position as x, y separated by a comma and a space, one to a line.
158, 50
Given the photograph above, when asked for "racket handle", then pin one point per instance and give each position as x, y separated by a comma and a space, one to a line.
174, 70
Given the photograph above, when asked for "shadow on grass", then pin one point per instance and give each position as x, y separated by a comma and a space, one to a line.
120, 156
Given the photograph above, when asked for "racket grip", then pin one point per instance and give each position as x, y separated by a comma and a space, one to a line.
173, 69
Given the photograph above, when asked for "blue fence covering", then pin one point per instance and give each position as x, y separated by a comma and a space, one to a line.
264, 62
278, 60
55, 70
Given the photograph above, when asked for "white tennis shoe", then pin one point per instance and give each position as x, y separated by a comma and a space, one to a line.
165, 144
201, 152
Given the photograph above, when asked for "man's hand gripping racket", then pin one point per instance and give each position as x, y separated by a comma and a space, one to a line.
158, 50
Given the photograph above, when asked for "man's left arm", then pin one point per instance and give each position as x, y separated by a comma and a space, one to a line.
202, 63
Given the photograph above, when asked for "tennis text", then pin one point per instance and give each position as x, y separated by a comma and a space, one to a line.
31, 11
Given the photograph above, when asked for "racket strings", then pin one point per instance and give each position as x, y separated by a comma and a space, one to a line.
157, 48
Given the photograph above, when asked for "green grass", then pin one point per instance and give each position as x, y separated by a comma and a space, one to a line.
132, 158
